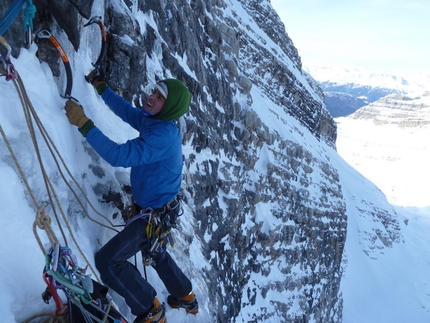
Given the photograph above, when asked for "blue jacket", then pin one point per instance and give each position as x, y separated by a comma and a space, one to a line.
155, 157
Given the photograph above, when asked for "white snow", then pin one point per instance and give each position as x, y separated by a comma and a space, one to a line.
395, 286
413, 84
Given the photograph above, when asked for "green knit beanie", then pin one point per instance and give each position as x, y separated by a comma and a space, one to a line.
178, 100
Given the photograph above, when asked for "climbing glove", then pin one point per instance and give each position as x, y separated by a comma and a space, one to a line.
97, 81
75, 114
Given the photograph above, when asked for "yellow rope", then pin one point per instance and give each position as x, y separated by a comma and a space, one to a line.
42, 220
28, 112
55, 153
52, 317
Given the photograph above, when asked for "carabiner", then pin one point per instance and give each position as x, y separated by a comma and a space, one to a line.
7, 68
6, 46
28, 38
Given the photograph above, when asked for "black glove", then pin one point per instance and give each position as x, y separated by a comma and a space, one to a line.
97, 81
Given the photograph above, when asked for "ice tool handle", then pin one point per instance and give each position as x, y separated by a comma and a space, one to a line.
98, 20
46, 34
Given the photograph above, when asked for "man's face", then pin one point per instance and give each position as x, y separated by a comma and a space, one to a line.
155, 102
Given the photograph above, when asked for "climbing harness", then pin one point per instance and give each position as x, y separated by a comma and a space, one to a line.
159, 228
62, 272
46, 34
6, 67
13, 12
62, 265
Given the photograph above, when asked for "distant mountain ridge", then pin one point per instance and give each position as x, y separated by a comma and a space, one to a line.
346, 89
399, 110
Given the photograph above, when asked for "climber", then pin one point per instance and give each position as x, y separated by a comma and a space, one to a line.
155, 158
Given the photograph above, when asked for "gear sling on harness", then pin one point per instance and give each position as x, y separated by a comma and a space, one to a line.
160, 222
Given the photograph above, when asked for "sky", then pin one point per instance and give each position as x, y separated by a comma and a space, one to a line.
388, 36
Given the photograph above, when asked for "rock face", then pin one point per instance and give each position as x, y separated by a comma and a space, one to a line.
399, 110
226, 52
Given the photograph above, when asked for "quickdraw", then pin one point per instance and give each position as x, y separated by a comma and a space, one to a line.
51, 292
6, 67
45, 34
158, 231
13, 12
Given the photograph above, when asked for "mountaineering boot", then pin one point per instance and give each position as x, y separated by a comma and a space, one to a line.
157, 314
188, 302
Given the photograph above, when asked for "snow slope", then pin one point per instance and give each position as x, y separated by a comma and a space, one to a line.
394, 287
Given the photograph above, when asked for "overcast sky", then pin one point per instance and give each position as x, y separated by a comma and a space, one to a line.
391, 36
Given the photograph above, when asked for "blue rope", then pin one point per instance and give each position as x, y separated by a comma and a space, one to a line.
13, 12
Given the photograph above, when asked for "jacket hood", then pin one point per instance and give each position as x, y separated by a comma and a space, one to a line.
178, 100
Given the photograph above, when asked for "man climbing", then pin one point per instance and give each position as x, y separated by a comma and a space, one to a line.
155, 158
